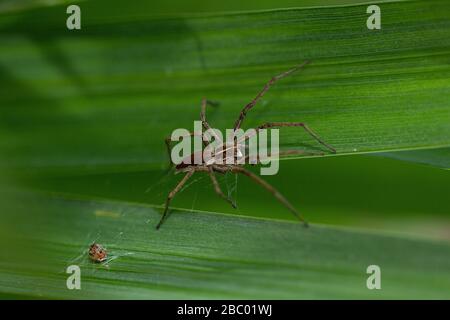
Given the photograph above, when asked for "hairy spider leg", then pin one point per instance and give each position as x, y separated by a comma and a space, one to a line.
169, 146
297, 124
290, 124
192, 134
252, 103
205, 123
172, 194
272, 190
217, 187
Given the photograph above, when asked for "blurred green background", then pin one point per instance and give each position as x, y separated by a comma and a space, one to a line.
84, 114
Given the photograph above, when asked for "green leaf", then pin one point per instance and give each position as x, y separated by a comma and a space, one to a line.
108, 94
205, 255
83, 115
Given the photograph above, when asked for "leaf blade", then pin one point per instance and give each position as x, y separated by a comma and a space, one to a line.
364, 92
276, 260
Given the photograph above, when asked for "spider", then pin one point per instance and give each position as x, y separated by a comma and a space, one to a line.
97, 253
210, 167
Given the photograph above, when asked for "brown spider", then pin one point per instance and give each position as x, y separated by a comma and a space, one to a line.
97, 253
211, 167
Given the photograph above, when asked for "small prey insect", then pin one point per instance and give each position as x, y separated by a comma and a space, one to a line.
212, 167
97, 253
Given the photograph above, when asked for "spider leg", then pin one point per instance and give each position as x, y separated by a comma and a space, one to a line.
192, 134
252, 103
205, 123
217, 187
272, 190
221, 168
297, 124
292, 152
172, 194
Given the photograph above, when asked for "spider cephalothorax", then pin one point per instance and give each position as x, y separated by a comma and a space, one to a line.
211, 165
